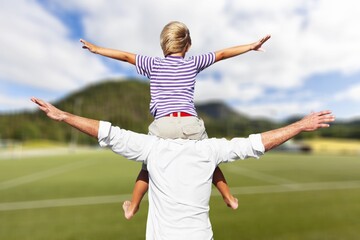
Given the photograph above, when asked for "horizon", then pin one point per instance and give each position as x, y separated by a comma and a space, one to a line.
64, 98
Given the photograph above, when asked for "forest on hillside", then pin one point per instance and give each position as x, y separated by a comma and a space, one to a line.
126, 103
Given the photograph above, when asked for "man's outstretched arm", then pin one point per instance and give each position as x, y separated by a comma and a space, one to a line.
85, 125
309, 123
270, 139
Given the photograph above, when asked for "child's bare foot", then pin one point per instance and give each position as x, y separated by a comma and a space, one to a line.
128, 212
232, 202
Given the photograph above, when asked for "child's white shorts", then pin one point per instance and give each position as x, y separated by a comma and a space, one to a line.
178, 127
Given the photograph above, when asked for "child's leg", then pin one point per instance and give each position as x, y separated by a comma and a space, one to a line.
221, 184
140, 188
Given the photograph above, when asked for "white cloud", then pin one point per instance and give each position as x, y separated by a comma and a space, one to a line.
279, 111
331, 37
351, 94
308, 37
38, 52
213, 90
9, 103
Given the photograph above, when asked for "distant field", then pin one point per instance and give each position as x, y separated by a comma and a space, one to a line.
335, 146
78, 196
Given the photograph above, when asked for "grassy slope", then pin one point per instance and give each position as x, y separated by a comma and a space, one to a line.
126, 103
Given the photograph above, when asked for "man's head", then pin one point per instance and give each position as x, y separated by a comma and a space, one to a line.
175, 38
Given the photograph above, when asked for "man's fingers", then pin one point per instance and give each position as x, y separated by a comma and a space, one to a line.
326, 118
35, 100
325, 112
38, 101
42, 105
44, 109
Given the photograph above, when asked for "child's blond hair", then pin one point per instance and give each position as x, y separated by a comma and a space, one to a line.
175, 38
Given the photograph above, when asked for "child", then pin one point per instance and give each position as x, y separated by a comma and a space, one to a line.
172, 83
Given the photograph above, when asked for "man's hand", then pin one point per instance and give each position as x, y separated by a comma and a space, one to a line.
316, 120
85, 125
311, 122
89, 46
256, 46
51, 111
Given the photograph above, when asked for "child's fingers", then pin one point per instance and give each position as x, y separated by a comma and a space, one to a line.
264, 39
84, 42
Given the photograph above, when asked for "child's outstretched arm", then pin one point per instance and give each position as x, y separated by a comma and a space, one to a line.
111, 53
237, 50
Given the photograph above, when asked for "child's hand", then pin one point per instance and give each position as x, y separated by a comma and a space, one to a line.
91, 47
257, 45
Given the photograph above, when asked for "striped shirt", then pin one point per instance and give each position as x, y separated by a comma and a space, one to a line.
172, 81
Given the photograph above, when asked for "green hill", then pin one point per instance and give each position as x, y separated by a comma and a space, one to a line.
221, 120
126, 103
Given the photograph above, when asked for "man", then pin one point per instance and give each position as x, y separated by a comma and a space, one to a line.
180, 171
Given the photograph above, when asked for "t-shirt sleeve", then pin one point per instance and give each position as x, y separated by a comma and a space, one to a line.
203, 61
144, 65
131, 145
238, 148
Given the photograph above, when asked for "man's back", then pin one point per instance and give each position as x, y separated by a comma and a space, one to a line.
180, 180
180, 177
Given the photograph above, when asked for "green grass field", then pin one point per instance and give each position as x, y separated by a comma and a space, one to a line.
78, 196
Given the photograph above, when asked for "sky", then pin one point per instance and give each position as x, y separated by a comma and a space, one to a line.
311, 62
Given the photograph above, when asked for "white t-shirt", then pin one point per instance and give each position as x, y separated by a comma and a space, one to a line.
180, 177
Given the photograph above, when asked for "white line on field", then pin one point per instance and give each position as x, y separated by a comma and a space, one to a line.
65, 202
262, 176
44, 174
300, 187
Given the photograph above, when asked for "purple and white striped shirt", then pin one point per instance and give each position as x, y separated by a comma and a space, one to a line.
172, 81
